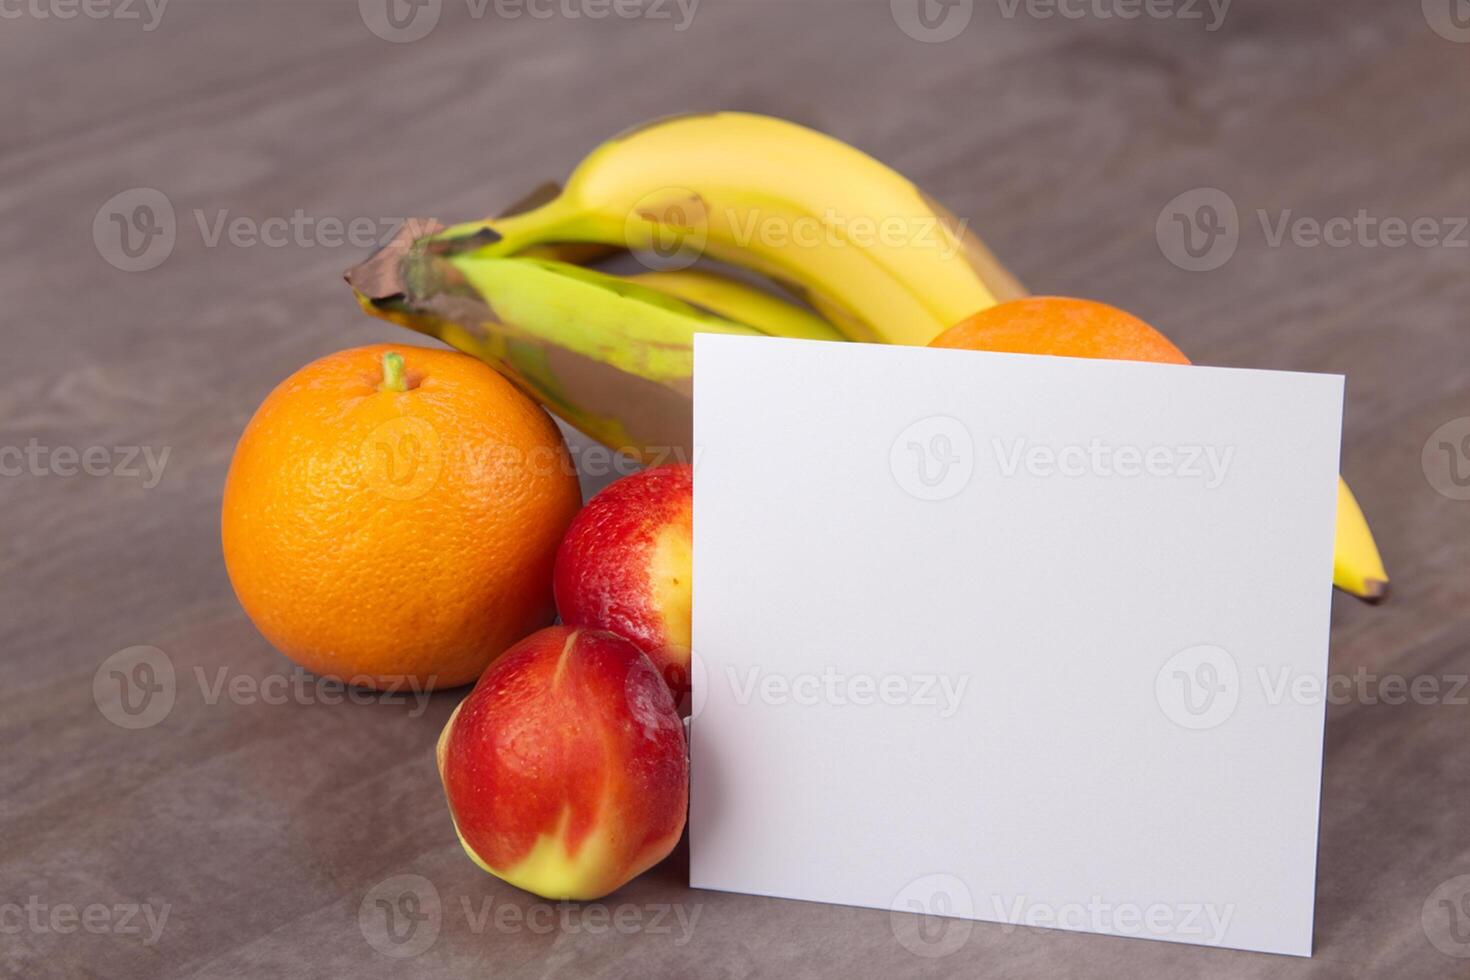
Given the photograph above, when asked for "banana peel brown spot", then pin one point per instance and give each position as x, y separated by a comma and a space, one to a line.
672, 212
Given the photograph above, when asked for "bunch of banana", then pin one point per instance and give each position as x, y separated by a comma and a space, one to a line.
858, 240
878, 259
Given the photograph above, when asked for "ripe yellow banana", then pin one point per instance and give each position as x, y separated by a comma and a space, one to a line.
732, 299
865, 246
1357, 567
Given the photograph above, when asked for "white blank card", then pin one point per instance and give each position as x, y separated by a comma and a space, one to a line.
1018, 639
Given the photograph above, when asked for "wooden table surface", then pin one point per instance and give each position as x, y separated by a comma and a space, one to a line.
251, 829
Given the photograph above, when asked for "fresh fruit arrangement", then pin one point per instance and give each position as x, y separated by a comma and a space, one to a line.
402, 513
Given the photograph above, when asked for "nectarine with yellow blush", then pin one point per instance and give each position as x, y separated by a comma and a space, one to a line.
565, 769
626, 562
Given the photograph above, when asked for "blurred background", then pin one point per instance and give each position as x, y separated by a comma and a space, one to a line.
184, 183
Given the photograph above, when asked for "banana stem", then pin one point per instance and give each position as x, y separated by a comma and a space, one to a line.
394, 373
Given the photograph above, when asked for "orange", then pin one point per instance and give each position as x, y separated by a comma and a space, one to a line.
392, 514
1064, 327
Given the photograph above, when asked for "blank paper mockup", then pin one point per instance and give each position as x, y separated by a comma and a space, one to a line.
1019, 639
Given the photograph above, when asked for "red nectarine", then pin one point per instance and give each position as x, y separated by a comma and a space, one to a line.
565, 768
625, 566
